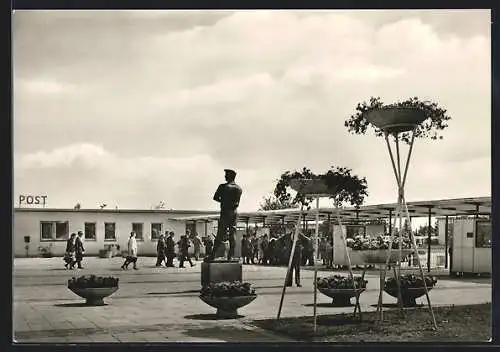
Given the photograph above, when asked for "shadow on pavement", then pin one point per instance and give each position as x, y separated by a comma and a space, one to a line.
173, 292
326, 305
226, 333
395, 305
68, 305
208, 317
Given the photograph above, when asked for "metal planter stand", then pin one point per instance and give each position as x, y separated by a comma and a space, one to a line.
315, 190
393, 122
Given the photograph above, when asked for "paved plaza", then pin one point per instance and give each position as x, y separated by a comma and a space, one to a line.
162, 305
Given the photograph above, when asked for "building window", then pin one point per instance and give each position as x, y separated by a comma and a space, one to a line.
90, 231
137, 228
156, 230
109, 231
483, 234
54, 230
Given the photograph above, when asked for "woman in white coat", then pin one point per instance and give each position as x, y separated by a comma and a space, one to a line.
132, 252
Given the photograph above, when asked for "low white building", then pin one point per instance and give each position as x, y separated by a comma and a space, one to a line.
38, 228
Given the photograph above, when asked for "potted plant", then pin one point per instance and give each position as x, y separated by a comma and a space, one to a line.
227, 297
412, 287
93, 288
340, 288
338, 183
399, 119
374, 250
46, 251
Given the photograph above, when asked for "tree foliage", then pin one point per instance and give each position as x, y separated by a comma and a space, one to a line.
272, 203
434, 123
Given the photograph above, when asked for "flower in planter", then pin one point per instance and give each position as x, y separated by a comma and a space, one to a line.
92, 281
340, 282
410, 281
435, 118
344, 187
228, 289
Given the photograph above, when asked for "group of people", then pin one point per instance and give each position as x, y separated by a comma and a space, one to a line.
74, 251
165, 249
249, 249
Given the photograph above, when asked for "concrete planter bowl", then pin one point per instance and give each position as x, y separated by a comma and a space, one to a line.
396, 119
408, 294
227, 307
94, 295
379, 256
341, 297
310, 186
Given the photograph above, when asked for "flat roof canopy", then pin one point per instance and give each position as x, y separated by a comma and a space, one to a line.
438, 208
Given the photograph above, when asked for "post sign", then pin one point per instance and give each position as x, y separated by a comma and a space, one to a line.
32, 200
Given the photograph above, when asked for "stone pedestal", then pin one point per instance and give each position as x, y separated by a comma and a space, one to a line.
219, 271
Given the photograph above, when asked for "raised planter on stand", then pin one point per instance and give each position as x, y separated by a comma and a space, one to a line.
408, 295
310, 186
412, 288
227, 307
341, 297
396, 119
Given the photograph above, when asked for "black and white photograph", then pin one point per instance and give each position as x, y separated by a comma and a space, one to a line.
251, 176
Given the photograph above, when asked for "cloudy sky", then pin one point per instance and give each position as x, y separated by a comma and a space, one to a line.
130, 108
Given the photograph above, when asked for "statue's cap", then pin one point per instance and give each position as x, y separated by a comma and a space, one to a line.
230, 172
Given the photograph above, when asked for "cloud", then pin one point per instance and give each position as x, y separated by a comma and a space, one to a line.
163, 108
44, 86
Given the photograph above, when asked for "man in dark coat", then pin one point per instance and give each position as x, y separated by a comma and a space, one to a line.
295, 266
79, 250
265, 250
228, 195
245, 250
209, 245
160, 250
254, 244
170, 249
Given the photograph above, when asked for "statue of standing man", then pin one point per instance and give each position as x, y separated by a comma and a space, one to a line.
228, 195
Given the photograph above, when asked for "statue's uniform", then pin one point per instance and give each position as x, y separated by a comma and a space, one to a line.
228, 194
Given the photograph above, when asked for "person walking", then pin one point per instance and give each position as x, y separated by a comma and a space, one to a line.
197, 245
254, 243
295, 266
329, 253
79, 250
160, 250
245, 250
69, 255
170, 249
209, 245
132, 253
184, 249
264, 246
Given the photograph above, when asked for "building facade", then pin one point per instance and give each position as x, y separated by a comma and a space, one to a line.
35, 229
